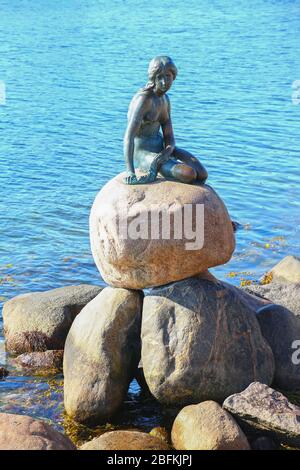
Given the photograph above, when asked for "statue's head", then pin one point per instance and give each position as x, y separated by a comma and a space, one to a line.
161, 73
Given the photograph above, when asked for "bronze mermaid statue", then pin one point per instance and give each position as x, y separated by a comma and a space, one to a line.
144, 145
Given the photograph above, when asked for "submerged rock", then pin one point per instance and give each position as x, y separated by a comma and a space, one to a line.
201, 342
101, 355
207, 426
146, 253
281, 328
125, 440
41, 320
18, 432
264, 408
36, 362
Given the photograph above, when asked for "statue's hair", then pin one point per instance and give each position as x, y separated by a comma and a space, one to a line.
156, 66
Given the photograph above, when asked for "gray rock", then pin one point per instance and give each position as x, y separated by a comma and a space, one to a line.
37, 362
287, 270
41, 320
101, 355
18, 432
287, 295
201, 342
281, 328
264, 408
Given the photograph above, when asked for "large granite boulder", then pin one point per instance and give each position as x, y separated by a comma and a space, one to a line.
264, 409
207, 426
125, 440
201, 342
18, 432
41, 320
281, 328
132, 249
101, 355
252, 301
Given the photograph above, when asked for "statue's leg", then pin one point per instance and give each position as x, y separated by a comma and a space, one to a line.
178, 171
192, 161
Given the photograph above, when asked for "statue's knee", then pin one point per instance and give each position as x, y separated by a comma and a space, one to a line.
185, 173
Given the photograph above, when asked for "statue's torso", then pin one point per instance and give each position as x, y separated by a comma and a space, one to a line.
149, 141
147, 144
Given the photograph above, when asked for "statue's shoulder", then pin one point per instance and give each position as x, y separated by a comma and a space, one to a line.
139, 100
141, 96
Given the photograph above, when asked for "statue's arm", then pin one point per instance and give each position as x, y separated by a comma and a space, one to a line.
136, 112
167, 128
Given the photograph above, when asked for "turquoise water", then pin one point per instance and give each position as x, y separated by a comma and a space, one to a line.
71, 68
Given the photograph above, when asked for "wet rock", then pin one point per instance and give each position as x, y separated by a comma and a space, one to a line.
102, 352
281, 328
125, 440
36, 362
41, 320
201, 342
263, 408
3, 372
207, 426
138, 256
18, 432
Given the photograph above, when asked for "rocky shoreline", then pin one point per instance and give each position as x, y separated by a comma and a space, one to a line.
256, 417
212, 355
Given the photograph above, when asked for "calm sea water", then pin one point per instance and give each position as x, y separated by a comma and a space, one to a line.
71, 68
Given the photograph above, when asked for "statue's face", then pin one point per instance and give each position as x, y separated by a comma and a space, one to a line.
163, 81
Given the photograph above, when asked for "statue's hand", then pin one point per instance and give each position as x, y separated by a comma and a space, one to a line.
130, 178
151, 175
